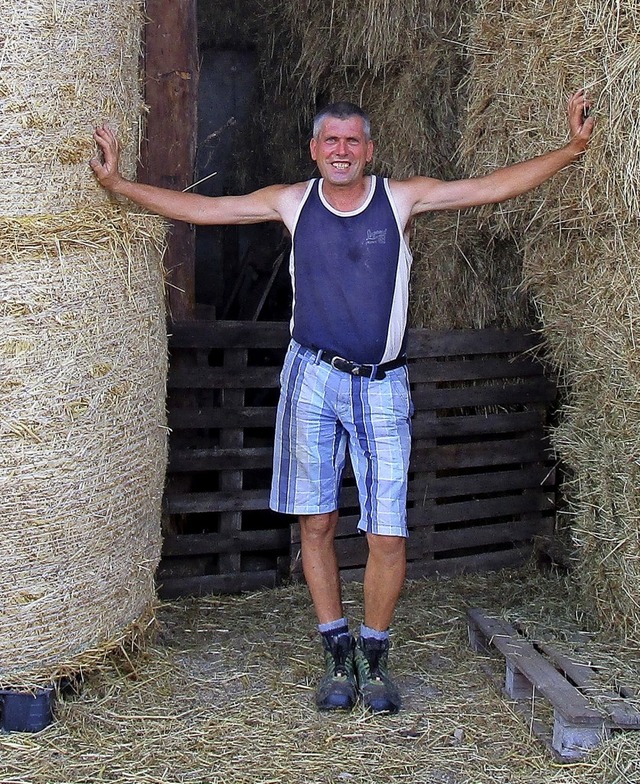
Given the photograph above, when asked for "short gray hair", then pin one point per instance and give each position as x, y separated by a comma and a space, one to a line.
342, 110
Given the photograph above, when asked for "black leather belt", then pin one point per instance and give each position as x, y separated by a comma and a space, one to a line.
376, 372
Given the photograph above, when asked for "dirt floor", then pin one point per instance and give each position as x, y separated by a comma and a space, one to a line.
225, 694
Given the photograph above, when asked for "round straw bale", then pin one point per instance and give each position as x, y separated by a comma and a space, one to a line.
65, 67
82, 429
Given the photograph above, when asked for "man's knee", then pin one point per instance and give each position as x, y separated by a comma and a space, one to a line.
318, 526
389, 549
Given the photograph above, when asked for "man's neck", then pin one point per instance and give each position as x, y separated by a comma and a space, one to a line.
346, 198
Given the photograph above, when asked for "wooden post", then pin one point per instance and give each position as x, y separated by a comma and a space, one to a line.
169, 147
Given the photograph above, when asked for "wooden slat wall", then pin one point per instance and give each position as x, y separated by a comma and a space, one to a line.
222, 393
481, 483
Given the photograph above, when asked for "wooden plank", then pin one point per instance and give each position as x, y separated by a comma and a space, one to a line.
169, 144
201, 585
477, 369
219, 458
478, 562
528, 391
485, 535
428, 424
224, 377
229, 334
418, 567
235, 542
232, 480
453, 542
426, 471
482, 562
233, 417
486, 453
221, 501
534, 476
420, 519
486, 508
622, 714
450, 343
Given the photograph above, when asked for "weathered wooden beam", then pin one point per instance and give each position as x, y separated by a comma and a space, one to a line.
168, 149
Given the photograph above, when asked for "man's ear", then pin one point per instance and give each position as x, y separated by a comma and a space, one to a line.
313, 148
369, 151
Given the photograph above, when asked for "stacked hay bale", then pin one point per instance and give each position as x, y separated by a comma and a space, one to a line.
82, 345
580, 236
403, 62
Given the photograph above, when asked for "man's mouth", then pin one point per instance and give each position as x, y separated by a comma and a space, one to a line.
343, 165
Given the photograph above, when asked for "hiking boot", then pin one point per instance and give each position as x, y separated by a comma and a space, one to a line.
378, 691
337, 689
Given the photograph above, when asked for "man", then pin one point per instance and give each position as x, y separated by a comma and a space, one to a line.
344, 380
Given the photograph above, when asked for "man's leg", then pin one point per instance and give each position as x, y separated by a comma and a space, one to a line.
383, 579
380, 445
309, 457
320, 564
337, 689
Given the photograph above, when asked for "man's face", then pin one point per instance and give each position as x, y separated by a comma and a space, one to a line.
341, 150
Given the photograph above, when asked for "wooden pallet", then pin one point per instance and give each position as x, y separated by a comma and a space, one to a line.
480, 484
584, 713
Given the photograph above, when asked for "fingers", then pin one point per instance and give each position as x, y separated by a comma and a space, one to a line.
105, 138
582, 101
105, 163
580, 119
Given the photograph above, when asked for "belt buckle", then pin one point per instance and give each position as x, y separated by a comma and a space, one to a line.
346, 366
340, 363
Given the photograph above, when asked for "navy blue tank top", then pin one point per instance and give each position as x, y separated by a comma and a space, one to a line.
350, 276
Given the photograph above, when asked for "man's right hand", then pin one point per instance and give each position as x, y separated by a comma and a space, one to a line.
106, 166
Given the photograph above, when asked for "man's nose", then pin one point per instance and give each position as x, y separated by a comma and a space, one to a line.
342, 147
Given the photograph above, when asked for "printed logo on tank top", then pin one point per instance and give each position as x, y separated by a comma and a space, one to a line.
378, 237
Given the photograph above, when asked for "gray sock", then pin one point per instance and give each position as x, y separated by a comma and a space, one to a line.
334, 628
366, 632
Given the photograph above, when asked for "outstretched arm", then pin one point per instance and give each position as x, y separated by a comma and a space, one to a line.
423, 194
266, 204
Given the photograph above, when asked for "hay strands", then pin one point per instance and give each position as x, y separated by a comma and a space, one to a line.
583, 713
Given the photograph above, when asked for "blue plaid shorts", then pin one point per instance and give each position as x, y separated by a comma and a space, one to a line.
321, 412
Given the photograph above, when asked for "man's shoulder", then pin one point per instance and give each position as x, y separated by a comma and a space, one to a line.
408, 193
293, 193
412, 189
288, 198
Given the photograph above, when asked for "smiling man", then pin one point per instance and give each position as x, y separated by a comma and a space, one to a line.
344, 384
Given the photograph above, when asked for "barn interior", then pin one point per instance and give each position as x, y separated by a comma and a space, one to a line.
523, 500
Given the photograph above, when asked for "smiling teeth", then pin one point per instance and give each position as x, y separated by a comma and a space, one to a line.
341, 165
